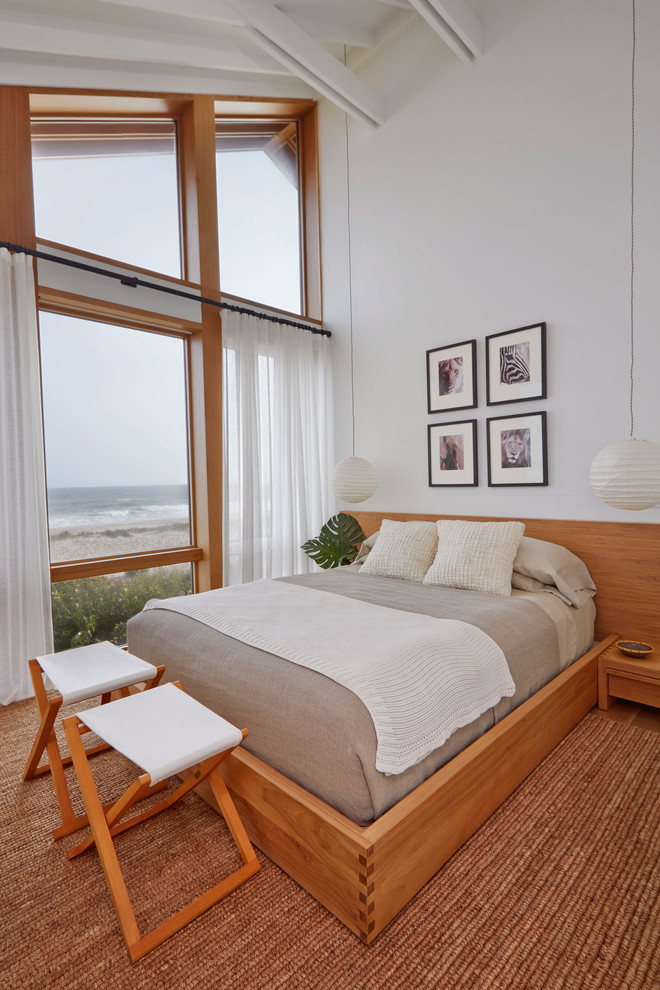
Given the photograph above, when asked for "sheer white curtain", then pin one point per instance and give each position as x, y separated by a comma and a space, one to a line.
25, 614
277, 445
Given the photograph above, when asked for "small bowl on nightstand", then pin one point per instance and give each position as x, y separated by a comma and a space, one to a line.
632, 649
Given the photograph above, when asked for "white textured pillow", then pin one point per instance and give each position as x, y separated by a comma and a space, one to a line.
404, 550
475, 556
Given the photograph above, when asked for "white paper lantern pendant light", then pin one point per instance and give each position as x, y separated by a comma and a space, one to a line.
354, 479
627, 474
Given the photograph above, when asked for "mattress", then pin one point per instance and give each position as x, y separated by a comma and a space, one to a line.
317, 732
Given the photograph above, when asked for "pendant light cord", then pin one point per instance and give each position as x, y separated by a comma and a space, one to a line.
350, 276
632, 227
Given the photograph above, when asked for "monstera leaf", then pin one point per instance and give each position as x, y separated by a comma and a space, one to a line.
337, 543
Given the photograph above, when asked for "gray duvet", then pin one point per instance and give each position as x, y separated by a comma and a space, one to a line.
312, 729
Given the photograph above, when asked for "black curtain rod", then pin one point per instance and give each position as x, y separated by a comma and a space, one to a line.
132, 281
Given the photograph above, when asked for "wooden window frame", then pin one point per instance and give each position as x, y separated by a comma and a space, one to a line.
195, 116
79, 307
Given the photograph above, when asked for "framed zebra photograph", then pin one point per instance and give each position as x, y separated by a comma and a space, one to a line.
517, 450
515, 365
453, 454
451, 377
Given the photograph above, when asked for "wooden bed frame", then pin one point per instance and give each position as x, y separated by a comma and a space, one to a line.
365, 876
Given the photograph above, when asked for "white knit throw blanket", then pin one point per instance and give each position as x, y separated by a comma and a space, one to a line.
421, 678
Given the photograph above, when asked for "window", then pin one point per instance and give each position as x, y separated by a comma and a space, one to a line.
130, 179
257, 173
115, 427
116, 441
110, 188
95, 609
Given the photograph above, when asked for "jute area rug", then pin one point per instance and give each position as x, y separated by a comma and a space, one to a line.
559, 889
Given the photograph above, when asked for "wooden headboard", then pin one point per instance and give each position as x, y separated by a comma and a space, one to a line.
623, 559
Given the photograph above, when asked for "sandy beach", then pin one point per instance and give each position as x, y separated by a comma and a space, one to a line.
83, 542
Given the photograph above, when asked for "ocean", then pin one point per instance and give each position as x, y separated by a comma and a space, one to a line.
73, 507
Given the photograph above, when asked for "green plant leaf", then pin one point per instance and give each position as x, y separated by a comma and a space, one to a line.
337, 543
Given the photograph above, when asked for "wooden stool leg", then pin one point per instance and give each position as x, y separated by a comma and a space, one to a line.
46, 741
106, 823
231, 816
47, 713
102, 837
202, 903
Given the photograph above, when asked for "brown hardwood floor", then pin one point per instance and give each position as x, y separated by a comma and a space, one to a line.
643, 716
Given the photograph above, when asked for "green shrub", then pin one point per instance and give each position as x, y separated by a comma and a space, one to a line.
90, 610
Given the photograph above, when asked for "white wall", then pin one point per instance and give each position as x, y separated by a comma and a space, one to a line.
495, 196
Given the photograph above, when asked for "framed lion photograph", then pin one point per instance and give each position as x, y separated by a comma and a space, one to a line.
517, 450
451, 377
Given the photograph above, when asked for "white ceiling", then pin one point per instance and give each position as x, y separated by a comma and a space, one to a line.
236, 39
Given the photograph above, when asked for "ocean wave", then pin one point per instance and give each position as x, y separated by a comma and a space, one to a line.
149, 514
70, 508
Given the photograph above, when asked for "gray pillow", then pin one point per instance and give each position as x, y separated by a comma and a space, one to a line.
554, 567
365, 548
523, 583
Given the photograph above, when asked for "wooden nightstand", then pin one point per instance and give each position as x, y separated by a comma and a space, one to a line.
620, 676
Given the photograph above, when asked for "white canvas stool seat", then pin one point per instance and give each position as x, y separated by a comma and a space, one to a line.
164, 732
91, 671
78, 675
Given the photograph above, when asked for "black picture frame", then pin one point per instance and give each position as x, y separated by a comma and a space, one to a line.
452, 454
516, 365
517, 450
451, 377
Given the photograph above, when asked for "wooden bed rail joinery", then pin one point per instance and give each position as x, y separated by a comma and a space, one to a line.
365, 876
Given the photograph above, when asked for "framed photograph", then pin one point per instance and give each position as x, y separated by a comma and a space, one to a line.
451, 377
517, 450
453, 454
515, 365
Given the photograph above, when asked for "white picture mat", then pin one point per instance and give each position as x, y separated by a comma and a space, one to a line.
504, 392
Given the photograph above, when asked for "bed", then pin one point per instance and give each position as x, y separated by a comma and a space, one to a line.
362, 842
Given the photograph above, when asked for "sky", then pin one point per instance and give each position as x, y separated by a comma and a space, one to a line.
114, 405
114, 398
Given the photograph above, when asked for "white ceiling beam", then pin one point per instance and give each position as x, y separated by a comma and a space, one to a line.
464, 22
208, 10
45, 34
330, 28
346, 103
455, 23
396, 23
288, 44
336, 30
283, 39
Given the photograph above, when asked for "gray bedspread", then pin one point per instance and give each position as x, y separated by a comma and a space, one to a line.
312, 729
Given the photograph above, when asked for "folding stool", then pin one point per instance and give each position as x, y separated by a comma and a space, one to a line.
164, 732
78, 675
